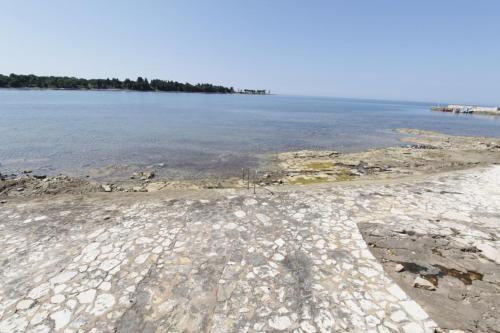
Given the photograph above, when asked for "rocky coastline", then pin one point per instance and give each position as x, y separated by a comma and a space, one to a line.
407, 241
422, 152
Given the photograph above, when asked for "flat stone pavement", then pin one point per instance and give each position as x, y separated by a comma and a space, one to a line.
227, 261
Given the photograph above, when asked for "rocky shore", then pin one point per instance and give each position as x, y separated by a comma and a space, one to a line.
418, 255
407, 241
425, 152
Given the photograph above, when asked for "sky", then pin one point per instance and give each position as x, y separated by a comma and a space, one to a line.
426, 50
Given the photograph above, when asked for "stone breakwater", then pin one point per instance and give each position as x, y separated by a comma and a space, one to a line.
229, 261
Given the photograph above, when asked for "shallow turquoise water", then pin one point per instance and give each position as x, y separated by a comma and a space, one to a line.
195, 134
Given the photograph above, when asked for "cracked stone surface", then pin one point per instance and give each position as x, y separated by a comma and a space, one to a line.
225, 260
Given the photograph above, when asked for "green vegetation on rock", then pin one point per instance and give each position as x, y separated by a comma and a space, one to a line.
319, 165
307, 181
344, 175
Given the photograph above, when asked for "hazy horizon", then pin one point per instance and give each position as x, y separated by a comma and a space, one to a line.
425, 51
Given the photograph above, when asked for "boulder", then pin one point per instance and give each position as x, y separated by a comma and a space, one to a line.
106, 188
399, 268
423, 284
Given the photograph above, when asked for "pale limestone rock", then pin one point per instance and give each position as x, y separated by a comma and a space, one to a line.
109, 264
307, 327
144, 240
61, 318
224, 291
278, 257
59, 288
259, 326
106, 286
324, 321
71, 303
40, 329
398, 316
240, 214
24, 304
95, 233
167, 307
249, 202
263, 218
280, 323
58, 298
372, 321
141, 259
230, 226
90, 256
412, 328
86, 297
63, 277
103, 303
158, 249
13, 324
399, 268
414, 310
489, 252
320, 244
423, 284
280, 242
368, 272
39, 291
39, 317
397, 292
91, 247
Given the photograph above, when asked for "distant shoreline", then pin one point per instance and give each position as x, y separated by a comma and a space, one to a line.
31, 81
128, 90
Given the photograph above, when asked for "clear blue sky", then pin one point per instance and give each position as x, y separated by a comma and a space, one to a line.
429, 50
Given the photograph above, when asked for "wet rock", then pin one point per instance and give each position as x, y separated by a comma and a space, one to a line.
422, 146
147, 175
143, 175
106, 188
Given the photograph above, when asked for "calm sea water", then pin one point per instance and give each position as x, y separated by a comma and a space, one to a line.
194, 135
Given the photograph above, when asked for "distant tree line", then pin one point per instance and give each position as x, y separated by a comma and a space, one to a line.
141, 84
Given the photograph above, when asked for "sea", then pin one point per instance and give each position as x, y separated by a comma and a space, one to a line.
192, 136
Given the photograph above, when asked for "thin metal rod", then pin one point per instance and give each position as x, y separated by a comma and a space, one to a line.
248, 179
254, 181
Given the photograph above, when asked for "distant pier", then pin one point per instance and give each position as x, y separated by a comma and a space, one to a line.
455, 108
